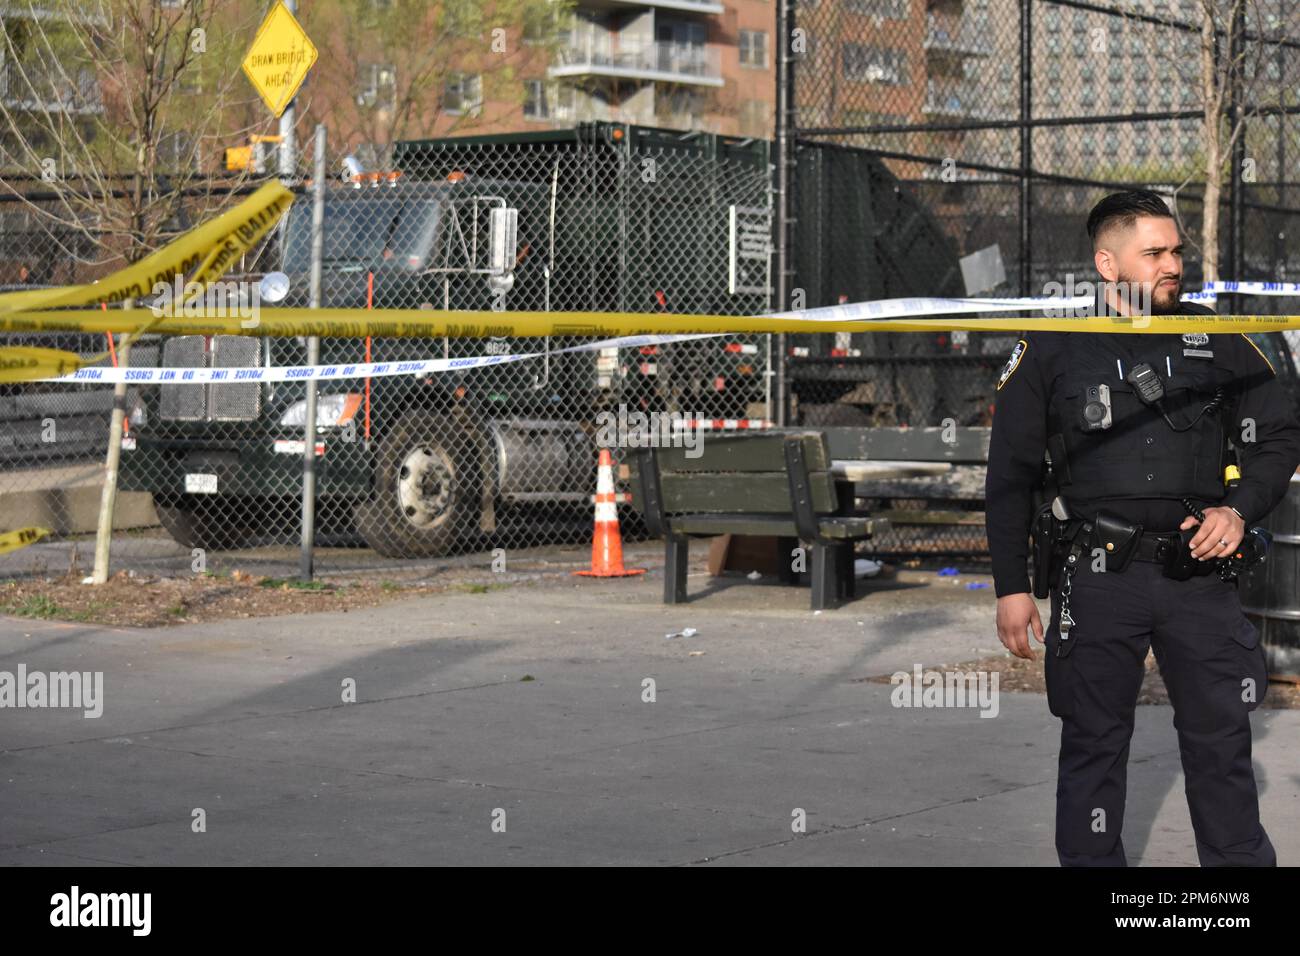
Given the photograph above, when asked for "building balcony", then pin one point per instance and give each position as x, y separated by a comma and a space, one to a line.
684, 6
942, 37
655, 62
33, 91
952, 102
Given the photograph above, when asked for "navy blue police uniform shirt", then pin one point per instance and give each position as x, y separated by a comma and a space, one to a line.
1020, 431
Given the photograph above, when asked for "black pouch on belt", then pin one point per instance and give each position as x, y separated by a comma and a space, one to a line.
1117, 538
1179, 563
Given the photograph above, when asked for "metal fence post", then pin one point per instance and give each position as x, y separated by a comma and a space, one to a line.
1236, 189
1026, 145
784, 183
313, 358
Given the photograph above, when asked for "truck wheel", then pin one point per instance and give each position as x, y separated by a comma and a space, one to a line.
426, 488
198, 521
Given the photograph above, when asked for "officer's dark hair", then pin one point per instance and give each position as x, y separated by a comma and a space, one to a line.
1122, 209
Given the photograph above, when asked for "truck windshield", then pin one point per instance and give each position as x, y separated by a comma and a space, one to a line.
364, 232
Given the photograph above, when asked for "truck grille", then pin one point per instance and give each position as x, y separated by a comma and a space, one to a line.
216, 402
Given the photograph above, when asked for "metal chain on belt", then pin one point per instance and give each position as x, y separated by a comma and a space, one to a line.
1067, 622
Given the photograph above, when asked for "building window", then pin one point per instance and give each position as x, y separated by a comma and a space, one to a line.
874, 64
893, 9
377, 85
753, 48
547, 101
536, 105
756, 118
464, 93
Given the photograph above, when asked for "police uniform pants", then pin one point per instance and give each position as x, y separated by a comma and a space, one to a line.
1214, 668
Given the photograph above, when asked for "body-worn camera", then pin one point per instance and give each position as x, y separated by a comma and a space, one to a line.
1096, 408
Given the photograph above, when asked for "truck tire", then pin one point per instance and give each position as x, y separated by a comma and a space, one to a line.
427, 489
201, 521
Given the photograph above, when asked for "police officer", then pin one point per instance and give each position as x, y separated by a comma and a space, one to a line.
1137, 430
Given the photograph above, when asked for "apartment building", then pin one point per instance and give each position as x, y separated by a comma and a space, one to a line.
889, 62
683, 64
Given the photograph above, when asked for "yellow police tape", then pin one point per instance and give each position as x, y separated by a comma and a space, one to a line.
19, 363
202, 255
13, 540
207, 252
435, 323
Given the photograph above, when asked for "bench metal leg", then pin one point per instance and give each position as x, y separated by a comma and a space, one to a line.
676, 554
825, 577
844, 555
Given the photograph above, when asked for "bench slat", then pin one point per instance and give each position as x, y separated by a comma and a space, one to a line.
839, 528
752, 452
743, 493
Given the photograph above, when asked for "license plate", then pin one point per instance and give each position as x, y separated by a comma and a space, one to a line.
200, 484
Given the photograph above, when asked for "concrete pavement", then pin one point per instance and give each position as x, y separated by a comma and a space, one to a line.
526, 706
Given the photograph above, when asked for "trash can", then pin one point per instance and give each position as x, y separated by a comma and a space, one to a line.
1270, 592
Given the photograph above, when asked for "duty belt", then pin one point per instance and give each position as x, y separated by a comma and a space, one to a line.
1154, 547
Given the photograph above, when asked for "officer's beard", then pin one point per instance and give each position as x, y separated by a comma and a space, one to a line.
1163, 299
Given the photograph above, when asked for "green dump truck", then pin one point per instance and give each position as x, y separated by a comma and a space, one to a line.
599, 217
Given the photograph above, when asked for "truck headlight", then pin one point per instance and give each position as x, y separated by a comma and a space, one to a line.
332, 411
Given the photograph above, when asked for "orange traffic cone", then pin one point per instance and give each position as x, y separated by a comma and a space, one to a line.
607, 543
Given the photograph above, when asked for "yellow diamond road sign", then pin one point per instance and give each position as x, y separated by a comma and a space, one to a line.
279, 58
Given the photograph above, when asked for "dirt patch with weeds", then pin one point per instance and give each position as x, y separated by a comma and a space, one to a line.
133, 600
1018, 674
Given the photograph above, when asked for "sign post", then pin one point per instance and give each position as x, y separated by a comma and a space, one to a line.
276, 64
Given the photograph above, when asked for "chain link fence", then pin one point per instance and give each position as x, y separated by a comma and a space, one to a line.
602, 218
1004, 121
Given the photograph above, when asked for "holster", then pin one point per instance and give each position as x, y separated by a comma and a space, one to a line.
1043, 538
1051, 539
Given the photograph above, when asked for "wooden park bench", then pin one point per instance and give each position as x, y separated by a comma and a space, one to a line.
938, 480
772, 484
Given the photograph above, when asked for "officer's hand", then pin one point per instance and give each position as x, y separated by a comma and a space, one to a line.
1219, 535
1015, 613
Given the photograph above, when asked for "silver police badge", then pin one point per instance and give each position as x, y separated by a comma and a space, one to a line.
1196, 338
1016, 354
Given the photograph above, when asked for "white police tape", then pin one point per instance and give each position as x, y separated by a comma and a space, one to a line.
344, 370
883, 309
875, 309
1248, 288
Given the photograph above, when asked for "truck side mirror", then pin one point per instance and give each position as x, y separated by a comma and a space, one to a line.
503, 237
